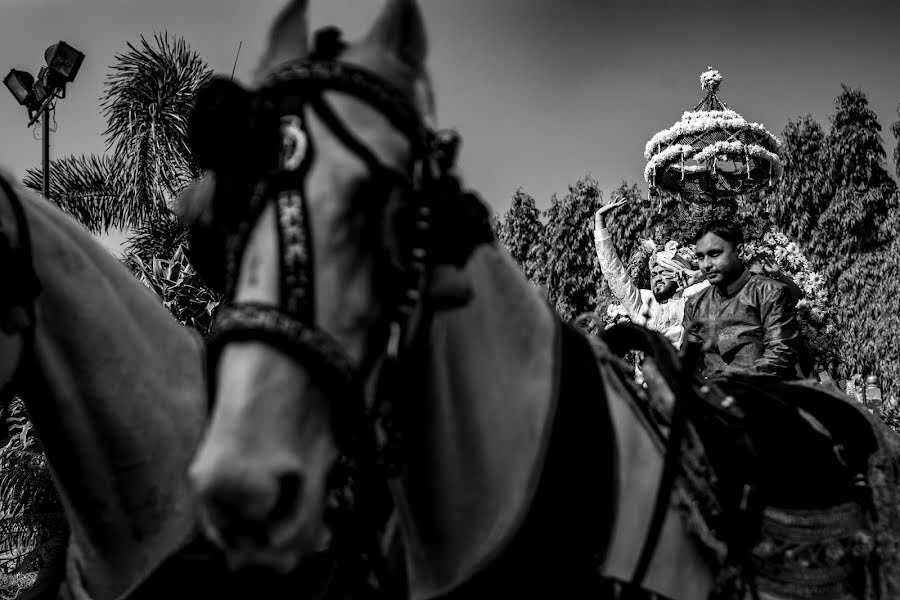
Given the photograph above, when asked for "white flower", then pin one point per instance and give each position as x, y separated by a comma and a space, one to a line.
710, 79
693, 122
663, 157
615, 310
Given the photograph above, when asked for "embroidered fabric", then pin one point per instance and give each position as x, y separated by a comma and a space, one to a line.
844, 552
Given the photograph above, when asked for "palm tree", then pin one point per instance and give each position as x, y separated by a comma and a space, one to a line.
147, 99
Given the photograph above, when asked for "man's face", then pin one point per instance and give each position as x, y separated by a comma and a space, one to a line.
663, 282
719, 259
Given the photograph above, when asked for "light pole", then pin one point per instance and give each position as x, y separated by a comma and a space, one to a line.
39, 96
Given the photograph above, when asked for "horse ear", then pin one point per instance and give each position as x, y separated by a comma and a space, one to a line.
288, 39
400, 31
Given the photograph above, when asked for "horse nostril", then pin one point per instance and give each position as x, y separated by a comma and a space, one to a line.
290, 486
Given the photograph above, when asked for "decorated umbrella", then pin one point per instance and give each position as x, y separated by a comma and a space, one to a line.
712, 152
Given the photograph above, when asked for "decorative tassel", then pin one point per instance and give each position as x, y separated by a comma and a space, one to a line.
747, 160
682, 165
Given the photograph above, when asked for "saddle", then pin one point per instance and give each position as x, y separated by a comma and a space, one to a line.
791, 488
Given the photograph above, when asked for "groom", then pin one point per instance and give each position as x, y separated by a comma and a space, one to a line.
661, 308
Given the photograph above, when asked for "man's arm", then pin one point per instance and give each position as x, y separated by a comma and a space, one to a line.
615, 273
781, 333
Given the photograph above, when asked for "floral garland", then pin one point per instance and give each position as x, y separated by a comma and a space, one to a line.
710, 152
698, 136
693, 122
663, 157
779, 250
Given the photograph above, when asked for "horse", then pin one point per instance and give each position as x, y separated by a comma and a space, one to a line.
115, 388
370, 311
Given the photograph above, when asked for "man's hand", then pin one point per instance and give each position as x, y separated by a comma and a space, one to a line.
600, 215
765, 267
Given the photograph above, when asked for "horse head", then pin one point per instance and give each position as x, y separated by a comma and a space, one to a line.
321, 210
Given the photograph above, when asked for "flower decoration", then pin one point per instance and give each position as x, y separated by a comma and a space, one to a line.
712, 151
710, 80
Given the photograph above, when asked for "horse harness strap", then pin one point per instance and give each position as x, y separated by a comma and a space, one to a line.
290, 326
419, 224
17, 309
433, 223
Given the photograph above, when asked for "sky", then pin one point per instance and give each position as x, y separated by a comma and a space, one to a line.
543, 92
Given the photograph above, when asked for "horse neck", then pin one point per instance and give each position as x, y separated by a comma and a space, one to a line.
479, 429
116, 397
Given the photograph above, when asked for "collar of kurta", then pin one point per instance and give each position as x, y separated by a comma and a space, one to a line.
735, 286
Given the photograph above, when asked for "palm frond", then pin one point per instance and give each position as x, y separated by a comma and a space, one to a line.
84, 187
159, 237
32, 522
147, 101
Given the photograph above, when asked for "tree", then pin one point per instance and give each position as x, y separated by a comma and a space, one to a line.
570, 270
497, 226
868, 316
630, 221
805, 189
895, 129
864, 192
521, 233
147, 101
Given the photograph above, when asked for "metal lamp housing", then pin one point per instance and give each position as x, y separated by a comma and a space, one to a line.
21, 85
63, 62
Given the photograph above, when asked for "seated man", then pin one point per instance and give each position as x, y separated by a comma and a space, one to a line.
749, 320
661, 308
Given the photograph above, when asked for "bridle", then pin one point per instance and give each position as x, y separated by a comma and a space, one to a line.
423, 230
429, 221
17, 303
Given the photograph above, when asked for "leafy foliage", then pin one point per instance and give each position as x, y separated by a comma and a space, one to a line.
570, 269
11, 586
159, 238
147, 102
628, 222
32, 523
82, 186
179, 287
868, 316
521, 233
864, 191
895, 129
496, 225
805, 189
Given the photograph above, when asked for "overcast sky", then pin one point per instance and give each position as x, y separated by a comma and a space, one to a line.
543, 91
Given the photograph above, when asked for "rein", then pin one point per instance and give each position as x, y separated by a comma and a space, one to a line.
17, 310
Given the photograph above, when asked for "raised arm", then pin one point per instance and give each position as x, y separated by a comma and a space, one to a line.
611, 265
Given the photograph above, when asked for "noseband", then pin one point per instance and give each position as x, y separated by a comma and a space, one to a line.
17, 304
